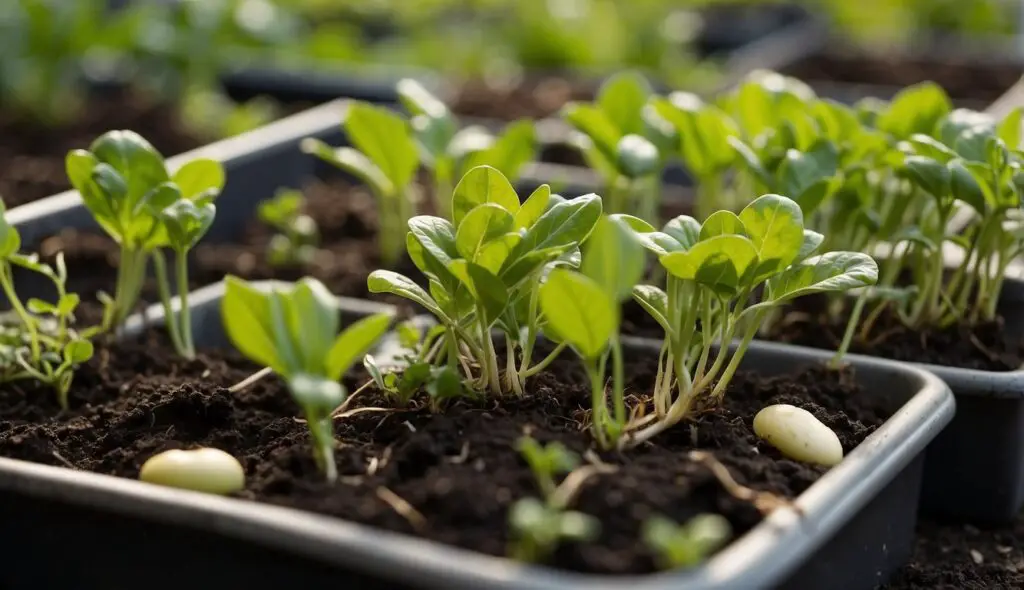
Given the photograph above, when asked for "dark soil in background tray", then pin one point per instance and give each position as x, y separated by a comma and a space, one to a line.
965, 79
984, 347
534, 97
458, 469
32, 155
961, 557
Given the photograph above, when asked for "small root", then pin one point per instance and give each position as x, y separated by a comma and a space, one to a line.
404, 509
61, 458
883, 336
462, 456
566, 492
348, 401
254, 378
977, 344
765, 502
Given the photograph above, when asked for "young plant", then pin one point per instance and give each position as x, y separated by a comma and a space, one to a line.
449, 152
625, 141
689, 544
36, 340
540, 525
713, 269
298, 238
410, 373
293, 329
125, 184
583, 310
484, 270
383, 155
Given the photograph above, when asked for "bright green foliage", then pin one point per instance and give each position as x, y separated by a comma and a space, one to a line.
294, 330
625, 141
126, 186
540, 525
298, 238
713, 270
37, 341
687, 545
485, 269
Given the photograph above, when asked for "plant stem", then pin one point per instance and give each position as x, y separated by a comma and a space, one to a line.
130, 275
530, 372
851, 328
163, 285
184, 314
489, 364
598, 410
7, 281
321, 429
737, 356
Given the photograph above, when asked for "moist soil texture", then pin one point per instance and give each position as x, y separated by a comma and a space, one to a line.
32, 153
457, 469
965, 79
984, 346
534, 97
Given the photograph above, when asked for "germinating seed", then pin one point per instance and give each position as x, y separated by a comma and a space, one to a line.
798, 434
202, 470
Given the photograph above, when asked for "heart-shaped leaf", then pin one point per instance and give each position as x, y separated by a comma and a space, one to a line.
480, 185
578, 311
775, 225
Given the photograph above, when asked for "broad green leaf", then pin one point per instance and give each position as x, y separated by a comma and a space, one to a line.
812, 240
481, 225
722, 223
622, 98
684, 229
1010, 129
354, 343
200, 178
246, 315
703, 132
924, 145
386, 281
487, 289
509, 152
480, 185
77, 351
385, 138
578, 311
355, 163
751, 160
436, 236
312, 317
973, 145
613, 258
39, 307
636, 157
534, 207
564, 224
445, 383
832, 271
962, 120
186, 223
495, 252
435, 138
965, 187
915, 109
592, 122
928, 174
655, 302
135, 160
775, 225
719, 262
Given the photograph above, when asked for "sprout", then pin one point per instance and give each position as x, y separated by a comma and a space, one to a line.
293, 330
299, 237
689, 544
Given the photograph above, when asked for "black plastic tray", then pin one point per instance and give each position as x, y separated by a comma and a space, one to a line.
82, 530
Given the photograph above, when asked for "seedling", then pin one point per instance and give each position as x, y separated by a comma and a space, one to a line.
293, 329
713, 269
36, 340
687, 545
485, 269
626, 141
540, 525
583, 310
125, 184
449, 152
299, 237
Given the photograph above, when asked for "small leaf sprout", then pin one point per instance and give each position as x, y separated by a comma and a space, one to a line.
298, 237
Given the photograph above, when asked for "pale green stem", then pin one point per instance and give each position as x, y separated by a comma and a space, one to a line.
851, 328
7, 280
184, 314
163, 285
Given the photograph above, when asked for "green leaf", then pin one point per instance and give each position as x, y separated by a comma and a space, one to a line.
445, 383
134, 160
187, 223
636, 157
481, 225
684, 229
719, 263
578, 311
924, 145
246, 315
312, 319
10, 239
419, 101
40, 307
655, 302
480, 185
928, 174
751, 160
613, 258
386, 281
812, 240
829, 272
722, 223
77, 351
564, 224
353, 162
436, 236
775, 225
592, 122
703, 132
915, 109
965, 187
200, 178
1010, 129
354, 343
487, 289
622, 98
384, 138
510, 151
534, 207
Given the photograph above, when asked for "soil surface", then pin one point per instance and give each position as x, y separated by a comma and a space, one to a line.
457, 469
534, 97
966, 80
984, 347
962, 557
32, 155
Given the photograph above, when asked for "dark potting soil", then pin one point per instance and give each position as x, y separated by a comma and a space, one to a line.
32, 154
457, 469
965, 79
962, 557
984, 347
535, 97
